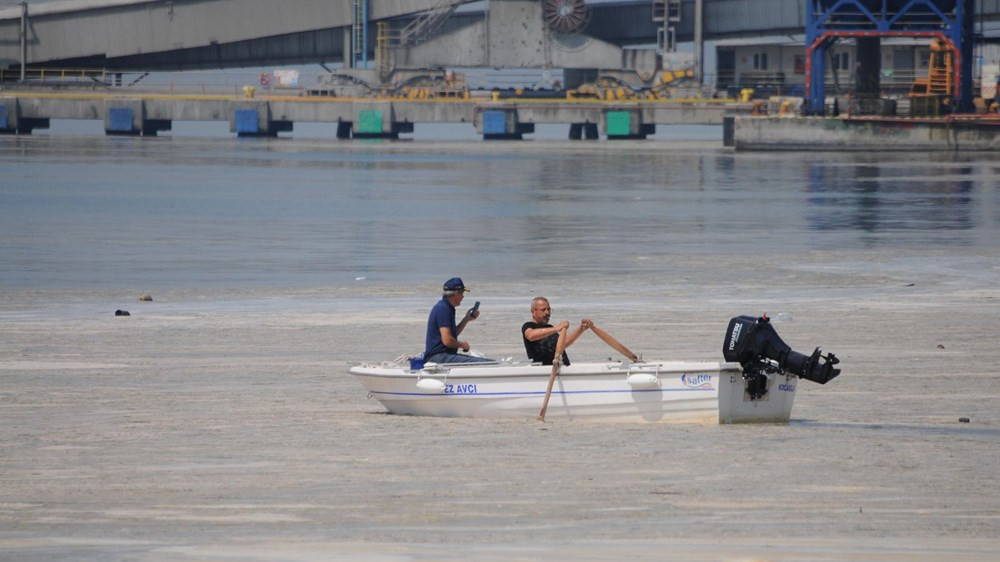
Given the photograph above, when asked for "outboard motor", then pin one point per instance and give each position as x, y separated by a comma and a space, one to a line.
756, 346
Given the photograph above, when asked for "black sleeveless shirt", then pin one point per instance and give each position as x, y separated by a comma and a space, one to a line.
543, 350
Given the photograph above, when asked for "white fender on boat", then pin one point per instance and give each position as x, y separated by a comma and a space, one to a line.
432, 386
643, 380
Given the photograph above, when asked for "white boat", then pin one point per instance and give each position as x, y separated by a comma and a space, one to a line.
642, 391
757, 384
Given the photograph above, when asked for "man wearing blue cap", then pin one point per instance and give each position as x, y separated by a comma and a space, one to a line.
442, 334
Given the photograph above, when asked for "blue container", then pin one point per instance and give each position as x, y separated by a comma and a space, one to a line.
247, 121
3, 117
494, 122
120, 119
417, 362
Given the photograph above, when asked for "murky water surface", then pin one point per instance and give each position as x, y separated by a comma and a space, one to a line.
93, 212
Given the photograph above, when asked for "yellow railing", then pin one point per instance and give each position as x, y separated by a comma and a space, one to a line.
383, 58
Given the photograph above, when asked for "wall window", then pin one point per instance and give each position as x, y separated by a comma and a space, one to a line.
841, 61
760, 61
923, 58
799, 64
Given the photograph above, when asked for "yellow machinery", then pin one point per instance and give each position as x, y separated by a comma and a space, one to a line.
449, 86
669, 81
432, 93
607, 89
613, 89
672, 76
932, 96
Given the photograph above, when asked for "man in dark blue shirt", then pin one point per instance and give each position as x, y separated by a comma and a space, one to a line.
442, 343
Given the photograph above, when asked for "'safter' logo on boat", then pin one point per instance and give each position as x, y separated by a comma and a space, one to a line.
699, 382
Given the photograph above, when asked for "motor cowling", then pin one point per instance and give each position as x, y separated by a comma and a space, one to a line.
755, 345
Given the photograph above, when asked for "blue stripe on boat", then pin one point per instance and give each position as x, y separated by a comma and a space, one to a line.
540, 392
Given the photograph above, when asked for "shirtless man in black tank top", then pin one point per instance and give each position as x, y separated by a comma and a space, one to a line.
540, 337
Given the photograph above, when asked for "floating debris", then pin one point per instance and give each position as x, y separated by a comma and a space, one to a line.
146, 298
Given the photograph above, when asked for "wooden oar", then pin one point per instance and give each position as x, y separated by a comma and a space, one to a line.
614, 343
556, 364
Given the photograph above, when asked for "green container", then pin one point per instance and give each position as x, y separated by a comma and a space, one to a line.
619, 123
371, 121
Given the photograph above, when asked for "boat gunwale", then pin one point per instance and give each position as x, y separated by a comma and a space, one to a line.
396, 371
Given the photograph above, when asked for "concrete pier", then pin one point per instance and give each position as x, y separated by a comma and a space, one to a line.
22, 112
950, 134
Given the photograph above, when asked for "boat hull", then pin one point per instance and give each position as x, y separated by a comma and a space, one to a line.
648, 392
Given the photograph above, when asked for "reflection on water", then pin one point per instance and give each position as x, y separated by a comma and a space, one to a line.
99, 212
894, 197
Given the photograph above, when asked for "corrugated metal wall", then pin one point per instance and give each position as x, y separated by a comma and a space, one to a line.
10, 42
632, 22
772, 17
206, 33
120, 29
157, 26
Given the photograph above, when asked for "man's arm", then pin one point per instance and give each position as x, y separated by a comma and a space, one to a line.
584, 325
469, 316
451, 342
535, 334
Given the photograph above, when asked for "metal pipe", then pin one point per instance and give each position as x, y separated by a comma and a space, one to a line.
24, 37
364, 33
348, 46
699, 42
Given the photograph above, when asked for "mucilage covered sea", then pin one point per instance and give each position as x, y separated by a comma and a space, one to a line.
218, 420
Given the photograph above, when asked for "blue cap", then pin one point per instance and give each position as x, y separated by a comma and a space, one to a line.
455, 284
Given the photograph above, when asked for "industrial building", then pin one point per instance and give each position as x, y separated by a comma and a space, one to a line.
925, 58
